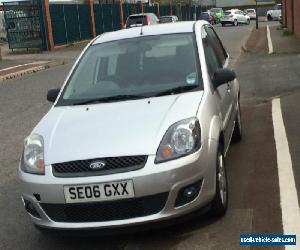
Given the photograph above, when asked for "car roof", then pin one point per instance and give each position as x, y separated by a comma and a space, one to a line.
142, 14
149, 30
168, 16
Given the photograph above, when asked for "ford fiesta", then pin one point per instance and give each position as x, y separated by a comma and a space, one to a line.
138, 132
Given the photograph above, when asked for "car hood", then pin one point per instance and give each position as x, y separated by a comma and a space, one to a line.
125, 128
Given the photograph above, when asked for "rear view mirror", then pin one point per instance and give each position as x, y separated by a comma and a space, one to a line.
222, 76
52, 94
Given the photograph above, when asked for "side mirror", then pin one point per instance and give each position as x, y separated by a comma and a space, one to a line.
222, 76
52, 94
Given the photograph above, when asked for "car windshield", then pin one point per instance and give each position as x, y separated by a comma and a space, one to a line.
165, 19
136, 21
250, 11
203, 15
135, 68
227, 13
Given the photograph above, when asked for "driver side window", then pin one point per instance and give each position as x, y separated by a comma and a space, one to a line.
211, 57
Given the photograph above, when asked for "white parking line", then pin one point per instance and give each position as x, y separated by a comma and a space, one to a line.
270, 44
288, 193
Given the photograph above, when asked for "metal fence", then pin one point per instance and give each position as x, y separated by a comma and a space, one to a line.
72, 22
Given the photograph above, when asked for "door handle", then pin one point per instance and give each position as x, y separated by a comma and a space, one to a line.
228, 88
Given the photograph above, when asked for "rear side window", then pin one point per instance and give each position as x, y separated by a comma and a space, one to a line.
135, 21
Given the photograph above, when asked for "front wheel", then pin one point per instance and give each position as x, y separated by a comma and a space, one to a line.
248, 21
220, 203
270, 18
235, 23
223, 24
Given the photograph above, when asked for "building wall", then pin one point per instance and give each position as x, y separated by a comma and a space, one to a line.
289, 15
288, 9
234, 3
297, 17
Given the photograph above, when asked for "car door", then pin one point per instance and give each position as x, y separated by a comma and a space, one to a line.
216, 58
245, 17
239, 16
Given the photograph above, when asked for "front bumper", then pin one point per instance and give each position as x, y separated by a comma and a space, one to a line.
169, 178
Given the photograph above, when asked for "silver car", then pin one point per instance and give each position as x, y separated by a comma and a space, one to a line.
138, 132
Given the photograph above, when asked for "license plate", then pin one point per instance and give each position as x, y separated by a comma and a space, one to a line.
99, 192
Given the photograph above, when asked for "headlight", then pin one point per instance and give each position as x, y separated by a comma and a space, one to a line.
181, 139
33, 155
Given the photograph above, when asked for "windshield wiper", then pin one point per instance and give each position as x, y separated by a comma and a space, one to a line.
110, 99
177, 90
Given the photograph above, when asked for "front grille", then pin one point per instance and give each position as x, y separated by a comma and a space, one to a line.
106, 211
112, 165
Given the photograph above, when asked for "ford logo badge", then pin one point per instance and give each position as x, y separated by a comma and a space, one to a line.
97, 165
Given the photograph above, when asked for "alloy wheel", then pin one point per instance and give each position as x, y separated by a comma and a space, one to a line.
222, 180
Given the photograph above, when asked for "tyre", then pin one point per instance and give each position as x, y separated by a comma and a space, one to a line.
223, 24
235, 23
248, 21
237, 131
270, 18
220, 202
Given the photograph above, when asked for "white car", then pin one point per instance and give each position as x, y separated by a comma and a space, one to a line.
137, 134
274, 14
251, 13
235, 17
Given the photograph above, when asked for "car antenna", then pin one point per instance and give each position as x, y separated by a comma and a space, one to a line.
141, 30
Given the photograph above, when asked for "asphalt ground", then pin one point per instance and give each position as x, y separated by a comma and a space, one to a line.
254, 202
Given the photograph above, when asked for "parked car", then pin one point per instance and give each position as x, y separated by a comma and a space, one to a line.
168, 19
280, 19
274, 14
207, 17
217, 13
235, 17
138, 133
251, 13
141, 20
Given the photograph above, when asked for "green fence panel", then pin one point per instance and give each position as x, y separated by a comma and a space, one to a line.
116, 17
98, 15
58, 24
175, 10
84, 21
164, 10
149, 9
198, 12
126, 11
107, 17
183, 13
192, 12
72, 22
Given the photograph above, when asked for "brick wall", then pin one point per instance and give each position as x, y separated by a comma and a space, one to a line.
287, 15
297, 17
